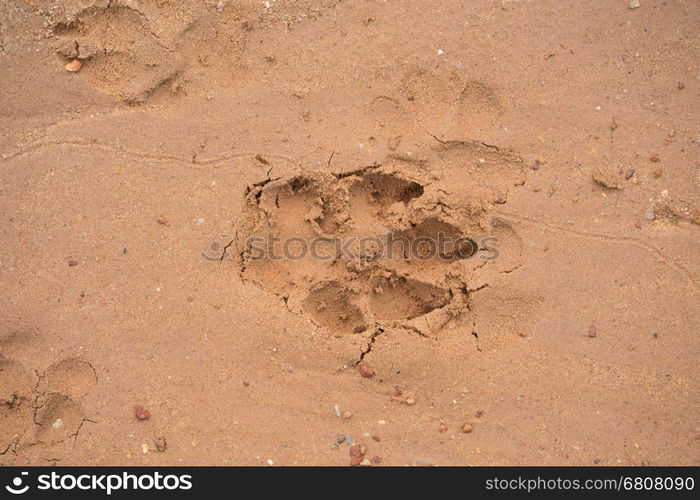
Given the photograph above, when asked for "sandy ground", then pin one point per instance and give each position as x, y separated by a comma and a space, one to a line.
567, 129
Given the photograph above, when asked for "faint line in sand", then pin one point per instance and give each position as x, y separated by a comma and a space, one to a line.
36, 146
628, 240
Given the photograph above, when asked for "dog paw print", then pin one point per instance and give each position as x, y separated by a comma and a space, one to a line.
59, 414
39, 410
401, 245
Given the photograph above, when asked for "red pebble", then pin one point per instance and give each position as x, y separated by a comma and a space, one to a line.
592, 331
356, 455
141, 413
366, 371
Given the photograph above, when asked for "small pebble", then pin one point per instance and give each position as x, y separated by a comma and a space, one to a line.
376, 438
442, 427
467, 428
634, 4
592, 331
366, 371
479, 413
629, 174
658, 173
219, 6
539, 161
410, 402
336, 410
356, 455
681, 85
340, 439
638, 225
161, 444
73, 66
365, 462
270, 462
649, 215
654, 158
376, 460
347, 415
141, 413
348, 440
72, 263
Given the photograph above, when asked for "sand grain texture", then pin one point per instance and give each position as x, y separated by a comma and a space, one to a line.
130, 189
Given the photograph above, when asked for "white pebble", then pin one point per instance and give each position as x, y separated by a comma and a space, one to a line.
440, 52
270, 462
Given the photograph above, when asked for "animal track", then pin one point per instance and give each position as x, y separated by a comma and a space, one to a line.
133, 49
16, 400
396, 245
73, 377
126, 58
40, 409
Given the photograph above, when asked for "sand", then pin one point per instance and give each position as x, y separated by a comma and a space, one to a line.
146, 144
